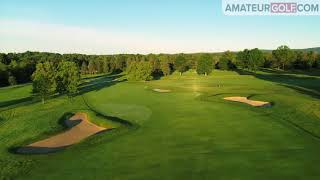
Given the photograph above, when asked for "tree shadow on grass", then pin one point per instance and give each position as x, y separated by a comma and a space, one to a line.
99, 83
308, 85
93, 84
15, 101
114, 119
310, 72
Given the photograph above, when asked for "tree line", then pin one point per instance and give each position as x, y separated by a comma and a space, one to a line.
49, 79
17, 68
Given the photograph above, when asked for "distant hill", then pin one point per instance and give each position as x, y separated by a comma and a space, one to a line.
316, 49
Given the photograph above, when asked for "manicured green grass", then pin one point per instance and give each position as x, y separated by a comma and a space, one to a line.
190, 133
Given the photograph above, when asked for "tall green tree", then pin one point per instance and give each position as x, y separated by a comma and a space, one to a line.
284, 56
256, 59
120, 63
84, 68
226, 61
112, 64
105, 66
299, 62
180, 64
243, 59
4, 59
99, 66
165, 65
154, 61
139, 71
311, 59
3, 74
67, 78
317, 64
44, 80
205, 64
250, 59
92, 67
268, 59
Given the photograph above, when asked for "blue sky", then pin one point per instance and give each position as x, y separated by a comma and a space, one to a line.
144, 26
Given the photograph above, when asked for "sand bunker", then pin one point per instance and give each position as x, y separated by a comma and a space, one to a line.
80, 128
162, 90
247, 101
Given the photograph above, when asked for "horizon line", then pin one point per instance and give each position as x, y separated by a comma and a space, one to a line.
197, 52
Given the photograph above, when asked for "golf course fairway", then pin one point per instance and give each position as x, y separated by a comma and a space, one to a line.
189, 132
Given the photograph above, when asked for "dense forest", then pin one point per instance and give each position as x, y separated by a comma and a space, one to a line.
17, 68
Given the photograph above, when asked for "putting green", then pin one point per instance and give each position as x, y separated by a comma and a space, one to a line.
189, 133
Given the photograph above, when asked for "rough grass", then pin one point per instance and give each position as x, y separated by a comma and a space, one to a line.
190, 133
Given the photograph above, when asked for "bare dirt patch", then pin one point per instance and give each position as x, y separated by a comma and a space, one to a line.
162, 90
80, 128
247, 101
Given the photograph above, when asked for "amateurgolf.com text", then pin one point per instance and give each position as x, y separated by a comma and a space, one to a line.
271, 7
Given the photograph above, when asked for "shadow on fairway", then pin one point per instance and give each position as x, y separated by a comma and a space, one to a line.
15, 102
98, 83
311, 72
306, 85
94, 84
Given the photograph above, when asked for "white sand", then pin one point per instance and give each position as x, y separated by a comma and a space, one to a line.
80, 128
247, 101
162, 90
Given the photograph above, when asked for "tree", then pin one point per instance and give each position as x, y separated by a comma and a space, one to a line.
299, 62
112, 64
283, 56
91, 67
250, 59
105, 66
99, 68
256, 59
226, 61
120, 63
317, 64
311, 59
12, 81
44, 82
154, 61
268, 60
84, 68
67, 78
193, 61
243, 58
4, 59
14, 69
165, 65
180, 64
205, 64
139, 71
3, 74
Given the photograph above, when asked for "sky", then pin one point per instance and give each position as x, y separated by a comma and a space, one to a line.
144, 26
